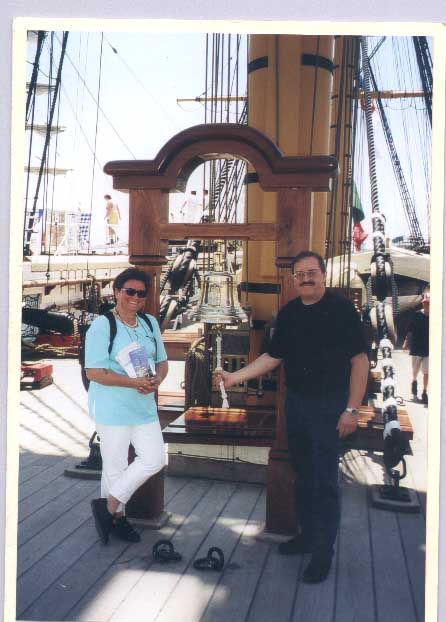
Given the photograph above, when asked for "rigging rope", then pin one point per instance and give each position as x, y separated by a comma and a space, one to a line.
33, 82
94, 154
406, 199
27, 243
115, 131
381, 272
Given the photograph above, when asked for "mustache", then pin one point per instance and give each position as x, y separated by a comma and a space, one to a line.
308, 283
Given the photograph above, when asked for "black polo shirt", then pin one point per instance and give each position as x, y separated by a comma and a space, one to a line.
317, 342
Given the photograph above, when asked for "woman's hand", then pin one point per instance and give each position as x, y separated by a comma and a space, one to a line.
147, 384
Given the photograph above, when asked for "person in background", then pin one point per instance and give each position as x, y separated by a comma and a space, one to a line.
318, 336
417, 342
123, 407
206, 213
190, 210
113, 218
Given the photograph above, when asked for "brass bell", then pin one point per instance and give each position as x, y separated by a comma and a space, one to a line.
217, 300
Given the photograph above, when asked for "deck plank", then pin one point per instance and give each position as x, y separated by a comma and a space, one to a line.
412, 530
26, 458
43, 496
276, 589
355, 598
80, 574
194, 586
54, 536
155, 589
42, 574
391, 578
116, 582
65, 573
45, 478
47, 517
238, 584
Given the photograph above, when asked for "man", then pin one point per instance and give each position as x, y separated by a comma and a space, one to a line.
417, 342
319, 338
113, 218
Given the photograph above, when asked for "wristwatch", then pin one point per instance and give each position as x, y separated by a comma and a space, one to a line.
352, 411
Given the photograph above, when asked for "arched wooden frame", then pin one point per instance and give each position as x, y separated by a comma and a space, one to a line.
293, 178
150, 181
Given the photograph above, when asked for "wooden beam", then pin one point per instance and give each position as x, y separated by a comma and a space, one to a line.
218, 231
393, 94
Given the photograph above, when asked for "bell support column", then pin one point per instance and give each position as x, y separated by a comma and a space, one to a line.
294, 229
148, 209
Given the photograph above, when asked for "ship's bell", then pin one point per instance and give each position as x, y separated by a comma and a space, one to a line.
217, 300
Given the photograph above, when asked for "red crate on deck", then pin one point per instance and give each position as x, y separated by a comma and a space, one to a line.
36, 375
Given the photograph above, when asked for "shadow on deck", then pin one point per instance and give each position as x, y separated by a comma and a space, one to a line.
64, 573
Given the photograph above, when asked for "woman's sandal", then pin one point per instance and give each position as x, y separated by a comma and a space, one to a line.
163, 551
211, 562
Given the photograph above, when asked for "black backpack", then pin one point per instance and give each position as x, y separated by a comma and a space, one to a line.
113, 329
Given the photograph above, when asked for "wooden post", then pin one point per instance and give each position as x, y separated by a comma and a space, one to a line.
294, 218
147, 210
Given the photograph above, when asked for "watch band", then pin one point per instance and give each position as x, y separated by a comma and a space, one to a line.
352, 411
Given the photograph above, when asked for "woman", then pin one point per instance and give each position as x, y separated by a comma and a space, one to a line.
124, 407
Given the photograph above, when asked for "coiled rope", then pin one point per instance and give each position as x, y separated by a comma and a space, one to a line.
196, 380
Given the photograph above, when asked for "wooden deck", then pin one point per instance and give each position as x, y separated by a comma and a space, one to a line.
64, 573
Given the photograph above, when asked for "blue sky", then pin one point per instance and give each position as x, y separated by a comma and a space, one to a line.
138, 112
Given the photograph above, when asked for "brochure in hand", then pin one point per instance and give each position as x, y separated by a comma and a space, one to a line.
133, 358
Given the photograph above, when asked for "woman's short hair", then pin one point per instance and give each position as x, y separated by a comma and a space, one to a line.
130, 274
305, 254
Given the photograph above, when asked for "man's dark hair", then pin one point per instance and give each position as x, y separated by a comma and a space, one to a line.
131, 274
305, 254
107, 196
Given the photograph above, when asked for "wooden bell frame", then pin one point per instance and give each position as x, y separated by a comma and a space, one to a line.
294, 178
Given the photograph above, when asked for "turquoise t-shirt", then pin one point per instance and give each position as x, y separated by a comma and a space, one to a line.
121, 405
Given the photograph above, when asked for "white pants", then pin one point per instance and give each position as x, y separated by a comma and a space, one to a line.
119, 478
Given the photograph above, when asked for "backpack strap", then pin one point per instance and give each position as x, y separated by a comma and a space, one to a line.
144, 317
113, 328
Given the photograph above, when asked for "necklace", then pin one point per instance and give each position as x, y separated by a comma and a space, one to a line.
135, 325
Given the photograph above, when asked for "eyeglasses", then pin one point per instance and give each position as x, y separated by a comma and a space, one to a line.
309, 273
130, 291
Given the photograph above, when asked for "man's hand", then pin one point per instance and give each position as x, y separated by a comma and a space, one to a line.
347, 424
220, 375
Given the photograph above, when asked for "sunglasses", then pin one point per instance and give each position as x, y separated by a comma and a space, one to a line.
309, 273
130, 291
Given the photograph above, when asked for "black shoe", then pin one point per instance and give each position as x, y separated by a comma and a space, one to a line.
123, 530
296, 546
103, 520
414, 389
317, 570
424, 398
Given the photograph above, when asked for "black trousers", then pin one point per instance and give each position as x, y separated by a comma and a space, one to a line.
314, 448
